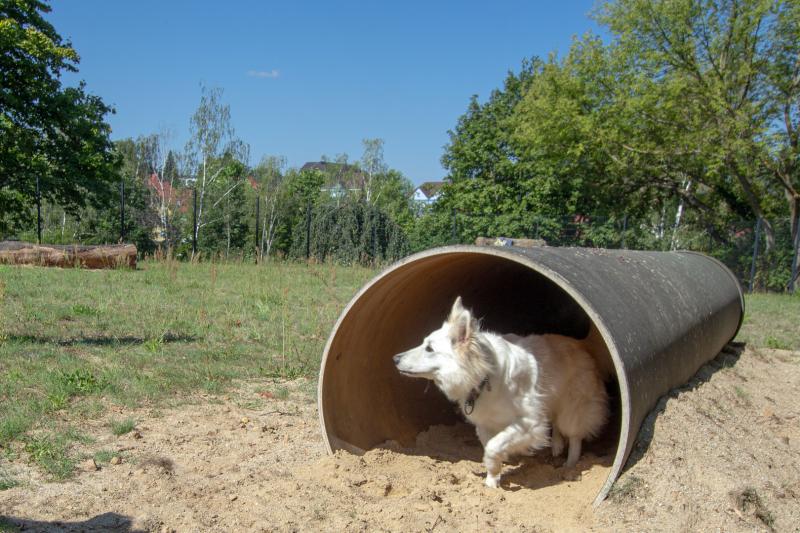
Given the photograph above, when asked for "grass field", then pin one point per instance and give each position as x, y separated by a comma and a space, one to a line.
75, 342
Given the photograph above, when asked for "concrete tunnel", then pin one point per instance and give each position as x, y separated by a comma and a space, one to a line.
662, 316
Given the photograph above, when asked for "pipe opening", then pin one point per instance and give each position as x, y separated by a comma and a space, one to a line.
365, 402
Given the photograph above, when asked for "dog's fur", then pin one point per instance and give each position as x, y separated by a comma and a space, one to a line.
512, 388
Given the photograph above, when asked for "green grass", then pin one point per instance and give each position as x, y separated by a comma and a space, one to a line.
7, 481
75, 342
771, 320
50, 452
121, 427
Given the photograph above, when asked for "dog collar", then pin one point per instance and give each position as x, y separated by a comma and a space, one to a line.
469, 403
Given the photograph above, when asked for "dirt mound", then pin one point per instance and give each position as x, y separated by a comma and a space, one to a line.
720, 453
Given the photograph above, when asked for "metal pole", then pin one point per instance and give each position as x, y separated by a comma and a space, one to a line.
194, 225
755, 255
308, 231
624, 229
796, 248
258, 215
455, 235
122, 210
38, 212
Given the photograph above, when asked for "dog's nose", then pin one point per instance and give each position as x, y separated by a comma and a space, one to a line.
397, 358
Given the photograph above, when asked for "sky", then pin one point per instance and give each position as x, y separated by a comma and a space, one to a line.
305, 79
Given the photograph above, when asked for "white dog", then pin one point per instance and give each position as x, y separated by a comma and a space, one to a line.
513, 389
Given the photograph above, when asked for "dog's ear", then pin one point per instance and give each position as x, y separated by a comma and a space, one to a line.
462, 324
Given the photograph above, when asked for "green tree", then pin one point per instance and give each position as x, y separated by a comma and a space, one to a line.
212, 147
49, 131
721, 78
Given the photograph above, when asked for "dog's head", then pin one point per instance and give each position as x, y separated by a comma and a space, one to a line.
448, 356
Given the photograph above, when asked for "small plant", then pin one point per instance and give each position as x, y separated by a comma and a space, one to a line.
104, 456
154, 345
776, 344
626, 488
49, 452
6, 481
121, 427
748, 501
742, 394
85, 310
80, 381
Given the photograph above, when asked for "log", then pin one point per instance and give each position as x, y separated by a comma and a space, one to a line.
70, 255
505, 241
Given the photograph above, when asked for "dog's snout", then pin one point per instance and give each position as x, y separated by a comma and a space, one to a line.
397, 358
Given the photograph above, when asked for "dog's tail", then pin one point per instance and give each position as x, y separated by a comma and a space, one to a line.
595, 345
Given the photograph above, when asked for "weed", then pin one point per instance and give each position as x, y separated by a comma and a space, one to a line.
121, 427
80, 381
85, 310
154, 345
50, 453
626, 488
777, 344
7, 481
748, 501
741, 393
282, 393
104, 456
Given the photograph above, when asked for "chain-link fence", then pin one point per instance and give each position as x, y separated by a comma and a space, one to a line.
764, 259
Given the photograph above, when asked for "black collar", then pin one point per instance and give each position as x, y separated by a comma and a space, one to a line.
469, 403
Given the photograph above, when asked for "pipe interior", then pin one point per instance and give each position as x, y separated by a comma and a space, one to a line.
366, 402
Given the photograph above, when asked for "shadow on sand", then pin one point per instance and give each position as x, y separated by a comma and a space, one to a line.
102, 522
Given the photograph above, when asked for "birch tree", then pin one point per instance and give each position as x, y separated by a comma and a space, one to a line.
211, 145
270, 174
372, 166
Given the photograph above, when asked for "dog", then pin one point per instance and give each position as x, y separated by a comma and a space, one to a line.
514, 389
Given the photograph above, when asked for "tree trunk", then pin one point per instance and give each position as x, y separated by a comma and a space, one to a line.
72, 255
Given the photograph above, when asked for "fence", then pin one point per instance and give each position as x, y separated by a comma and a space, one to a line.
760, 263
761, 260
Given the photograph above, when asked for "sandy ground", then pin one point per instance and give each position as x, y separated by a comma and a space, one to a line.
720, 454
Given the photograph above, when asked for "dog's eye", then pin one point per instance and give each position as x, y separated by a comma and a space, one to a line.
428, 348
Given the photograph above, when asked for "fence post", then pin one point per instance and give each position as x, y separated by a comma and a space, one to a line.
38, 212
796, 249
194, 225
755, 255
624, 230
308, 231
258, 215
122, 210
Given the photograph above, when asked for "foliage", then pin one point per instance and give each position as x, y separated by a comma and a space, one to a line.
353, 232
55, 133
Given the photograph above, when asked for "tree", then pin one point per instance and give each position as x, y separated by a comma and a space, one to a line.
372, 166
729, 72
270, 179
211, 148
47, 131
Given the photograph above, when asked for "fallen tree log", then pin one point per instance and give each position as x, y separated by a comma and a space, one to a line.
70, 255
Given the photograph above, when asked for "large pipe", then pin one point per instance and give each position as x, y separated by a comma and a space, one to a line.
662, 315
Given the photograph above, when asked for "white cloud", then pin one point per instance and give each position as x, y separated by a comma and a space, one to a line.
274, 73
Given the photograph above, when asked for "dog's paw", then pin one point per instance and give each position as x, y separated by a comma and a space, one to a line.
492, 482
558, 449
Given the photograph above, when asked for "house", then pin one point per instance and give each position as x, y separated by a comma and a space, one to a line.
428, 192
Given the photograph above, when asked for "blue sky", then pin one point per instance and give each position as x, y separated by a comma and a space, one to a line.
310, 78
